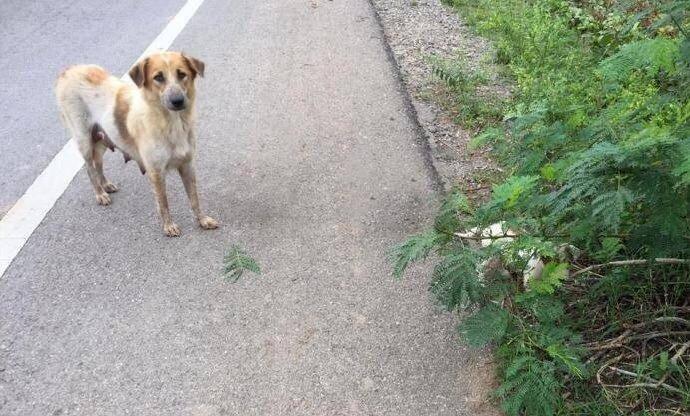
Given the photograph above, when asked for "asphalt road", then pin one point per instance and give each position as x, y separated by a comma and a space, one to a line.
308, 157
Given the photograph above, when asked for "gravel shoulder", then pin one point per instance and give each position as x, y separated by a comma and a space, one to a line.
418, 31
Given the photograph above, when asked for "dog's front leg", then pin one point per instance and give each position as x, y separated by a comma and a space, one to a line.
157, 179
188, 175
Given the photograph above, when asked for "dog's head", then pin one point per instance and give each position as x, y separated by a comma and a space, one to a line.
168, 78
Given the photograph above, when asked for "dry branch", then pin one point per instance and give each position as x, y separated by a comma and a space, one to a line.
651, 383
640, 262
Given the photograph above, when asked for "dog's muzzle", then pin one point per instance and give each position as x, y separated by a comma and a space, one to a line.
175, 100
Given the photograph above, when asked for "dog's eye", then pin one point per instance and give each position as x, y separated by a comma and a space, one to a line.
159, 77
181, 75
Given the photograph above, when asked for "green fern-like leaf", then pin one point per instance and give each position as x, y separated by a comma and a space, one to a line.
586, 176
509, 192
608, 208
514, 251
489, 135
415, 248
682, 170
455, 282
452, 74
530, 387
448, 219
567, 358
551, 277
236, 262
649, 55
610, 246
547, 309
488, 324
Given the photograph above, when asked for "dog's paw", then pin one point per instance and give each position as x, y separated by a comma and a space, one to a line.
103, 199
110, 187
208, 223
172, 230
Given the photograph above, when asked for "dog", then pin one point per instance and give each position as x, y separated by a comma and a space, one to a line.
150, 122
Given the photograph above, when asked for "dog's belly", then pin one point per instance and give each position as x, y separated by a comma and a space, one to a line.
127, 147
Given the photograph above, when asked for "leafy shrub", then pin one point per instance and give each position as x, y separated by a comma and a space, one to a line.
596, 143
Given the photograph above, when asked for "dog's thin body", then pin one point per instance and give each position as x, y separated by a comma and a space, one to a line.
152, 123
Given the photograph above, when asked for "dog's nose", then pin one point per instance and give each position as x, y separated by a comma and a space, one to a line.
177, 102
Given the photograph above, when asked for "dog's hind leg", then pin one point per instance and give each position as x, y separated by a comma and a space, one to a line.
98, 150
86, 147
76, 118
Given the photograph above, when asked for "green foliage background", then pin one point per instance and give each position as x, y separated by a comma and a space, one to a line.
596, 143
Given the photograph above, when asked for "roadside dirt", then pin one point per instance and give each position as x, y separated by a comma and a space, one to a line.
417, 32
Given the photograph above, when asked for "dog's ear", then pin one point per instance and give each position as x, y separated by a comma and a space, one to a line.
195, 65
138, 72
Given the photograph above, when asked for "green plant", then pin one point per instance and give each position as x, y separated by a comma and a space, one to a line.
468, 104
576, 268
236, 262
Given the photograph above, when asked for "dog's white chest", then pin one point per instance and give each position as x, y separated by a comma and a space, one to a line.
179, 144
180, 149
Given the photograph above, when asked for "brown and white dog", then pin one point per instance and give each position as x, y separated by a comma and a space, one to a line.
152, 123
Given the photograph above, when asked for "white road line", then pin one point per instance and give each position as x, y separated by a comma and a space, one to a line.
26, 215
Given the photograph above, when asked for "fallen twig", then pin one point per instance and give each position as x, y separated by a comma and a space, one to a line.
652, 383
476, 237
640, 262
673, 319
680, 352
651, 335
613, 343
606, 364
659, 319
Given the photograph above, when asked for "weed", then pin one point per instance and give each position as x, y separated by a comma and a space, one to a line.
467, 101
236, 262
